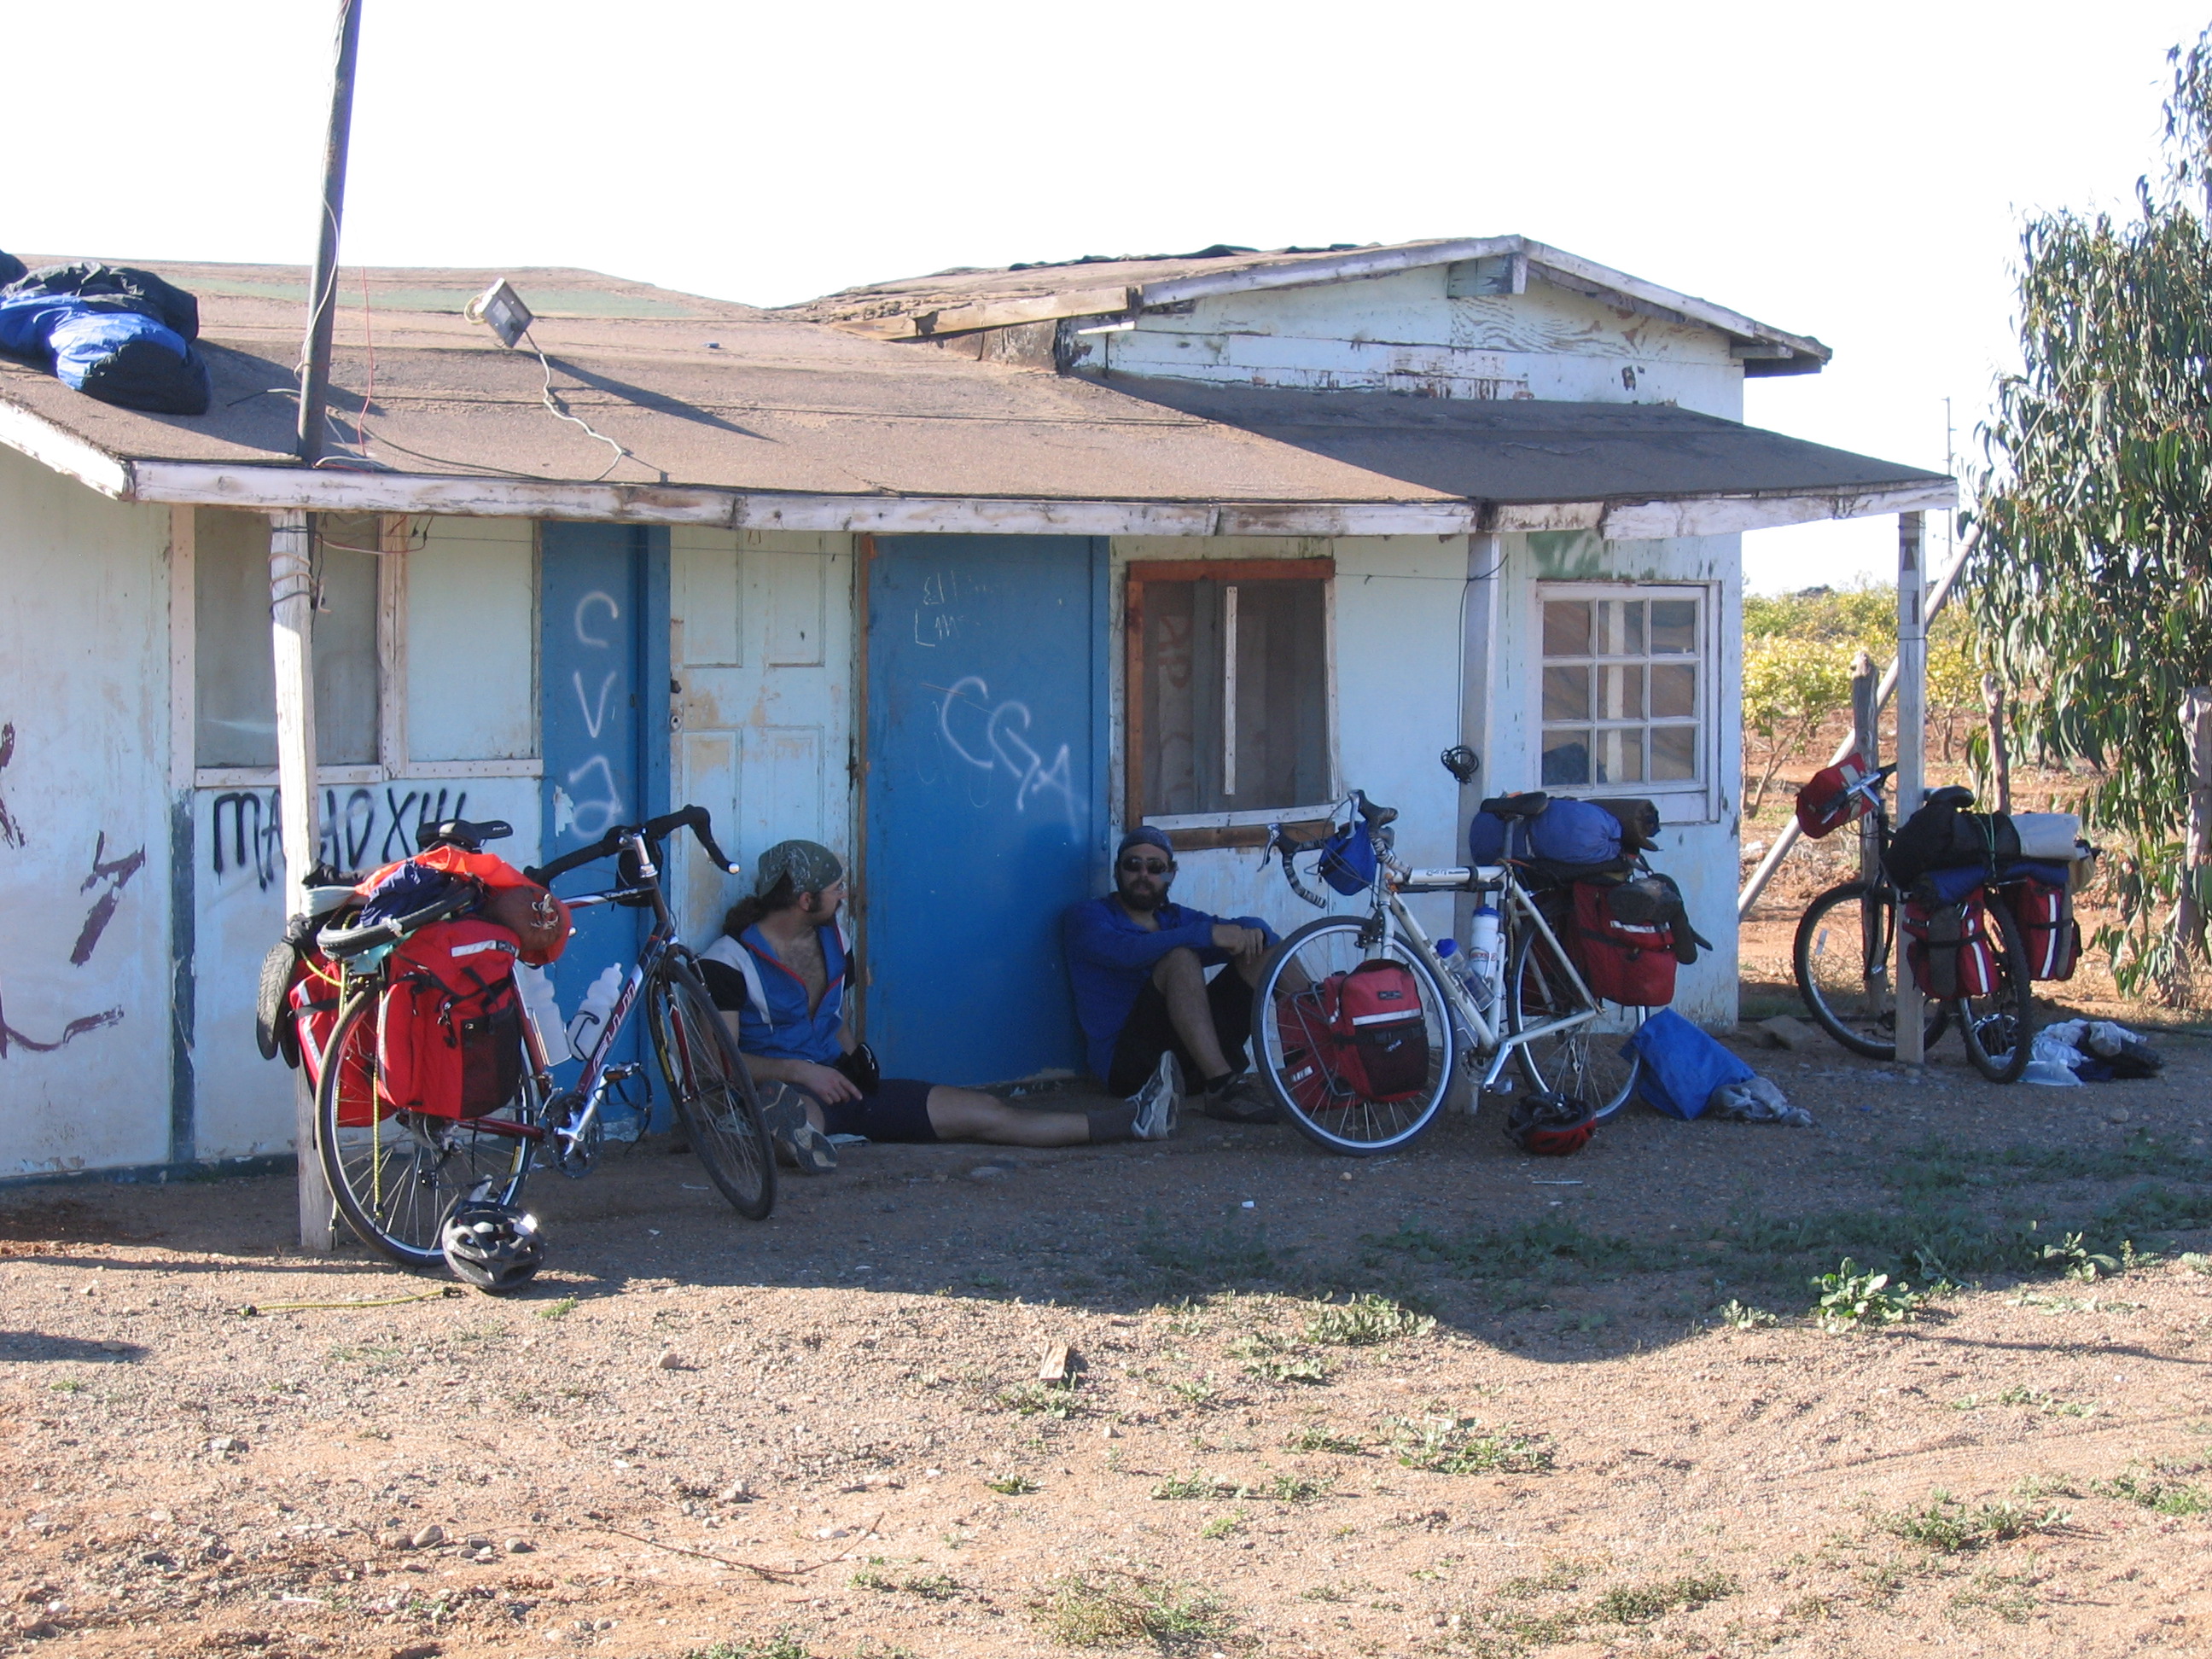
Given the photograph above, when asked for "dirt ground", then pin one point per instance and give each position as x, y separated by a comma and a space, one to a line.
822, 1435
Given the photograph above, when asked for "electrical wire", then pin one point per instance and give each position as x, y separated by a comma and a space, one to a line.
622, 454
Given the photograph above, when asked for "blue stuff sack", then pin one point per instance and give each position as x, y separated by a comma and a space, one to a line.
1575, 832
410, 888
1682, 1065
1347, 859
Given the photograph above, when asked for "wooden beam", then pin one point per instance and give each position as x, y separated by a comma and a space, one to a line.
1731, 515
1912, 750
292, 625
65, 452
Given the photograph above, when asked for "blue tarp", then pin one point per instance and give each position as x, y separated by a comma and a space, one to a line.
122, 336
1682, 1065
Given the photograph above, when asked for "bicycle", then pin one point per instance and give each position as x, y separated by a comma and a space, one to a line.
1847, 991
396, 1175
1539, 1015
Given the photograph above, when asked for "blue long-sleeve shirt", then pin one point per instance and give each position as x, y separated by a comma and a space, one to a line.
1109, 957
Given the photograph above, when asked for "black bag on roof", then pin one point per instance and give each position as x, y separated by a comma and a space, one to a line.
1943, 836
10, 268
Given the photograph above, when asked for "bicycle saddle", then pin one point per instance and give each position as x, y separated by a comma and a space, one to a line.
1526, 806
460, 832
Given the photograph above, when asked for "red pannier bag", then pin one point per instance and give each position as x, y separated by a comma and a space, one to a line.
313, 1002
1381, 1035
1632, 963
1823, 805
1304, 1024
450, 1043
1948, 948
2048, 930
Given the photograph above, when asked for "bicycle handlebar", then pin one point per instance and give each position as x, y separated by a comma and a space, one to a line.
343, 944
696, 819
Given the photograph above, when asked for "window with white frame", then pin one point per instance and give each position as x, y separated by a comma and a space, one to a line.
1625, 701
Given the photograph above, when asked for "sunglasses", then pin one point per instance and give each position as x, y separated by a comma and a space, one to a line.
1145, 866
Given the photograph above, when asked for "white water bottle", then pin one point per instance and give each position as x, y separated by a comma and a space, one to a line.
599, 1003
1482, 963
535, 987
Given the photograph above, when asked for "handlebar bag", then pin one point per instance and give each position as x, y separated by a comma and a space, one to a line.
1825, 804
2048, 932
1630, 963
1948, 948
535, 915
1347, 859
1381, 1038
450, 1043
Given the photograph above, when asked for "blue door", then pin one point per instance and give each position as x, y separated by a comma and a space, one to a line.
603, 676
986, 732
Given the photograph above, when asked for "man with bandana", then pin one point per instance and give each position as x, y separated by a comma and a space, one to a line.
1139, 967
781, 968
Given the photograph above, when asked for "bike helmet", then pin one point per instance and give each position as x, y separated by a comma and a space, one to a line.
492, 1246
1549, 1126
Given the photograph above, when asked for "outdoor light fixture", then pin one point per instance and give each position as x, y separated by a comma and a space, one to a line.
501, 308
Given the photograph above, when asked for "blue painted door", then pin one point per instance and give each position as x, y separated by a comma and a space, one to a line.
986, 731
604, 722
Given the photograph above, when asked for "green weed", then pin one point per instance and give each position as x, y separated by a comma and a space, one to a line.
1364, 1321
1457, 1445
559, 1310
1850, 1299
1014, 1485
1222, 1525
1733, 1312
1117, 1608
1314, 1438
2155, 1491
1288, 1370
1040, 1399
781, 1645
1947, 1526
2033, 1398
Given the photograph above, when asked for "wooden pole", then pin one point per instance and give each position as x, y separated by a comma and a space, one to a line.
1912, 750
1993, 700
292, 643
1866, 742
2189, 914
323, 288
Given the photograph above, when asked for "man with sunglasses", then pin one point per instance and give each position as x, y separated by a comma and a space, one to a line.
1139, 964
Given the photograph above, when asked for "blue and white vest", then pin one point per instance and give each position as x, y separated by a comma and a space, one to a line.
774, 1020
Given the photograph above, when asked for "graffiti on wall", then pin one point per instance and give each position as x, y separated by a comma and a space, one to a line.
246, 837
114, 874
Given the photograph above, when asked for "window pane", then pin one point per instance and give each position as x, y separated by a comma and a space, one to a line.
470, 599
1567, 757
1620, 628
1567, 694
1674, 626
1567, 628
1620, 755
1673, 753
1674, 690
1620, 693
234, 682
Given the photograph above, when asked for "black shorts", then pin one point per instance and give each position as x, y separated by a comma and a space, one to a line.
897, 1109
1149, 1033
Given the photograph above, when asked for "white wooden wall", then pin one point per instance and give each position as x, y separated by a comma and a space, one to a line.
1405, 333
84, 840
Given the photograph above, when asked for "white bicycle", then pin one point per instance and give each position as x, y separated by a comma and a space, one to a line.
1530, 1007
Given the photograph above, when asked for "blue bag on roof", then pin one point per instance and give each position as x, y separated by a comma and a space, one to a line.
1575, 832
10, 268
1682, 1065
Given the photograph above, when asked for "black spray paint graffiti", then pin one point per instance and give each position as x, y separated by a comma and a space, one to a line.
117, 872
255, 837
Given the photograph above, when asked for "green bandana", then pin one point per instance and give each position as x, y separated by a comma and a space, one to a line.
810, 866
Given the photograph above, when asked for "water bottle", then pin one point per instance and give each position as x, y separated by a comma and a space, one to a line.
1483, 967
599, 1003
535, 987
1461, 969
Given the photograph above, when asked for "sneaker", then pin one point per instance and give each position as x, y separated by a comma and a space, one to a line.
798, 1145
1158, 1102
1241, 1100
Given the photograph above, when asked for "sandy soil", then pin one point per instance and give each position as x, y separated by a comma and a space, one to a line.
822, 1435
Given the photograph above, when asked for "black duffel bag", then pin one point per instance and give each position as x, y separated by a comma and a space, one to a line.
1944, 836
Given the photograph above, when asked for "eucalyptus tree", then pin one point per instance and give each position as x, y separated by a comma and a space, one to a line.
2092, 588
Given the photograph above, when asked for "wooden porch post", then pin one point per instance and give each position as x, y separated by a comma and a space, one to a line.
1866, 739
292, 643
1912, 751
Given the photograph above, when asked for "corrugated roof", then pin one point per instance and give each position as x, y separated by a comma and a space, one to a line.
734, 416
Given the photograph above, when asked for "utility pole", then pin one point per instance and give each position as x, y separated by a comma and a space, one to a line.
323, 287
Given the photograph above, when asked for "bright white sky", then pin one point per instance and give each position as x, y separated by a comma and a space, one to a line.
1858, 173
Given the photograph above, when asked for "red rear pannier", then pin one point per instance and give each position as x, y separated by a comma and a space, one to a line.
1304, 1023
313, 998
451, 1044
1382, 1036
1628, 962
1948, 947
2048, 930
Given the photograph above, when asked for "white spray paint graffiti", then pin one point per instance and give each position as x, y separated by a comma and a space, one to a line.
591, 815
1005, 737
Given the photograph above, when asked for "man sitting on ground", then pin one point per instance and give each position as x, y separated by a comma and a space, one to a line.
1138, 965
781, 967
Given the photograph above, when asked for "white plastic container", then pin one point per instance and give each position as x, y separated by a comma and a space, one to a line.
591, 1016
2047, 835
535, 987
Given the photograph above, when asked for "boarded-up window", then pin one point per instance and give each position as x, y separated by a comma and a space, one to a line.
1623, 693
1228, 687
235, 675
472, 640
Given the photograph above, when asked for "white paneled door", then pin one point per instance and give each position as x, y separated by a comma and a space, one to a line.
760, 650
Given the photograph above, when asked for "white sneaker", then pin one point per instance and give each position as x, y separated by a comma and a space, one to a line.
1159, 1102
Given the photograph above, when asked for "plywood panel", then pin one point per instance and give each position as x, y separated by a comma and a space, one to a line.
706, 595
471, 642
792, 583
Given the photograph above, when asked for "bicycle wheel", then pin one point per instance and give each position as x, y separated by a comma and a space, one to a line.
394, 1177
1999, 1028
1842, 961
1591, 1062
714, 1092
1293, 1052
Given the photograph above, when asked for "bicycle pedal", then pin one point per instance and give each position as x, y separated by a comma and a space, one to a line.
623, 1073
